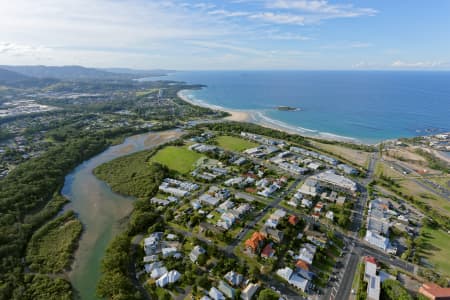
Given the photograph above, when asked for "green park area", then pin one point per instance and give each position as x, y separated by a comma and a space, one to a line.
176, 158
234, 143
436, 248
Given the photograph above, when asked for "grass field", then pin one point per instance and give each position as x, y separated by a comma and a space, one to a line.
382, 168
357, 157
146, 92
437, 249
234, 143
179, 159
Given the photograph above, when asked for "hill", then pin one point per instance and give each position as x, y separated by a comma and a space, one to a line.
80, 73
8, 77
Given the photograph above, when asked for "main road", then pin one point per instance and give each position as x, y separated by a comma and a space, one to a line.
345, 278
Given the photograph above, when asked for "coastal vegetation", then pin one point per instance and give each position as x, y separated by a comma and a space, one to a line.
434, 162
115, 282
237, 127
28, 198
42, 287
51, 247
357, 157
132, 175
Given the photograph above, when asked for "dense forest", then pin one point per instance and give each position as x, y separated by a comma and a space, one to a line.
29, 196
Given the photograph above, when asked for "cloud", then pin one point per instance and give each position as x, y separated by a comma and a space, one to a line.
288, 36
419, 64
323, 8
279, 18
228, 46
13, 49
227, 13
348, 45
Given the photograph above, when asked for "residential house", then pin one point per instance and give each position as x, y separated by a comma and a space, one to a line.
249, 291
434, 292
170, 277
293, 220
158, 272
152, 243
329, 215
196, 252
227, 290
233, 278
306, 203
318, 208
340, 200
268, 251
207, 199
293, 278
215, 294
307, 253
169, 251
310, 187
272, 233
347, 169
255, 242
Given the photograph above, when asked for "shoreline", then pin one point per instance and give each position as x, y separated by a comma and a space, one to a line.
258, 118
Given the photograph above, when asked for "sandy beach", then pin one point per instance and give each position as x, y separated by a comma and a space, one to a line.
257, 118
235, 115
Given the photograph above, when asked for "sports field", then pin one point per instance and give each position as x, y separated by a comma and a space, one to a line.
175, 158
234, 143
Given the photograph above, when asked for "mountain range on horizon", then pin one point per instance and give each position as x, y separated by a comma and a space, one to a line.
16, 74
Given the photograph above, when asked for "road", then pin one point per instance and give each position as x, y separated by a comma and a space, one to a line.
440, 191
258, 218
342, 287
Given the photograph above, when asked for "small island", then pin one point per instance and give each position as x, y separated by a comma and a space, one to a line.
287, 108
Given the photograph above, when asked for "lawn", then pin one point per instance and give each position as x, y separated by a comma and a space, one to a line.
437, 249
234, 143
179, 159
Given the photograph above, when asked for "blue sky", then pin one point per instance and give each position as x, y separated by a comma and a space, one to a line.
234, 34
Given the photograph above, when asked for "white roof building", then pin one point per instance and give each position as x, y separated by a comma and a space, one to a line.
209, 200
196, 252
331, 179
310, 187
329, 215
158, 272
373, 281
285, 273
235, 279
168, 278
215, 294
249, 291
169, 251
298, 282
377, 240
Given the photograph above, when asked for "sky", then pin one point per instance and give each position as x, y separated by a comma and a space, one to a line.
228, 35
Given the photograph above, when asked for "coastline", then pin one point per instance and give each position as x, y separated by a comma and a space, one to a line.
258, 117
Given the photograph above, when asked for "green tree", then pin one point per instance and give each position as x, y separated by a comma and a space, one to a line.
268, 294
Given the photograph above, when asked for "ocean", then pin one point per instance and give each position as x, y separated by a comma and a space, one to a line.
367, 106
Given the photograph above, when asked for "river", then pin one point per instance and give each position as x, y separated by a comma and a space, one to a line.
100, 209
